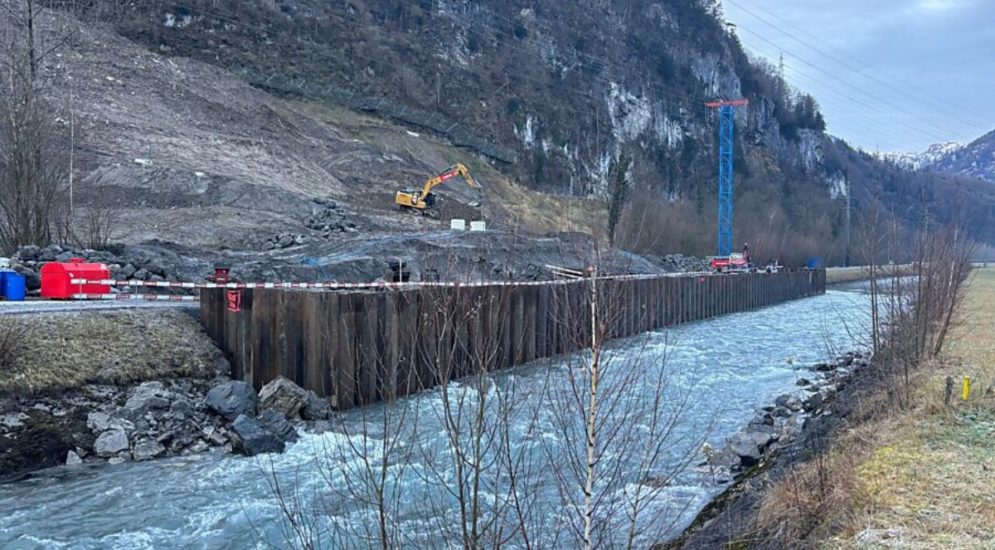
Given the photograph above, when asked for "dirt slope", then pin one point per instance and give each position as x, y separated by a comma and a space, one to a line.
188, 153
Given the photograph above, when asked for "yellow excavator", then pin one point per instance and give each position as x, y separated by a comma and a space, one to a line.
424, 199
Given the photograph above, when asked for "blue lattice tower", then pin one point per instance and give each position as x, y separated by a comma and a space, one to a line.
726, 134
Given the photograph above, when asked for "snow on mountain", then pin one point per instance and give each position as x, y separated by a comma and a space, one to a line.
976, 159
924, 159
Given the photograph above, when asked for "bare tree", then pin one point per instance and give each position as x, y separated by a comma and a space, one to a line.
33, 145
574, 452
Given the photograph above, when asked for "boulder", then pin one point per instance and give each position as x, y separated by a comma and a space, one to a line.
147, 450
315, 408
29, 253
790, 402
100, 422
283, 396
803, 382
73, 459
813, 402
49, 253
110, 443
128, 271
277, 424
232, 399
254, 439
148, 396
181, 408
749, 446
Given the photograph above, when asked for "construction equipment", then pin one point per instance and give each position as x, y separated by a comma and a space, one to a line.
733, 263
726, 261
424, 199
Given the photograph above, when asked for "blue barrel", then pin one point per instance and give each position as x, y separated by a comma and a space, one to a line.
3, 275
13, 287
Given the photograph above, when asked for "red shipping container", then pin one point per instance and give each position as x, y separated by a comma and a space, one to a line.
56, 277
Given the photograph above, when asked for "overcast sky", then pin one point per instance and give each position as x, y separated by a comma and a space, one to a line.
894, 75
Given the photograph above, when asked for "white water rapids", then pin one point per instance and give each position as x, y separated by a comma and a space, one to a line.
729, 366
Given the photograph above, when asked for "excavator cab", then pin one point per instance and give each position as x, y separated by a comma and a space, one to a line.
425, 199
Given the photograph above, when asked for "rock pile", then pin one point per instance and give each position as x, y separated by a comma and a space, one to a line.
122, 263
328, 218
156, 420
284, 240
682, 264
167, 419
774, 427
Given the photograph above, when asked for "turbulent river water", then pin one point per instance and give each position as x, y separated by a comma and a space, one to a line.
716, 373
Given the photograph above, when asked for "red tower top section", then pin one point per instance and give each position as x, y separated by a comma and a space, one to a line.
728, 102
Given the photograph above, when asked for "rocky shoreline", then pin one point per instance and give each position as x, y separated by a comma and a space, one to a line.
777, 437
156, 419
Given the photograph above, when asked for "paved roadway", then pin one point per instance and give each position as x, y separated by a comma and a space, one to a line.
50, 306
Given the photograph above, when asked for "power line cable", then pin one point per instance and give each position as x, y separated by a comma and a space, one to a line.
905, 86
944, 133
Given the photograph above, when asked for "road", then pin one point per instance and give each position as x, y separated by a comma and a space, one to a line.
47, 306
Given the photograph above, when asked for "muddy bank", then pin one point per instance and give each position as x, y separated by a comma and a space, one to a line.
731, 518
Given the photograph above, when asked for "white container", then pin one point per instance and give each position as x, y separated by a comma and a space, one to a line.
457, 225
478, 226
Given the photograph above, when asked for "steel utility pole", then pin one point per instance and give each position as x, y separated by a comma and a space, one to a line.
726, 122
846, 255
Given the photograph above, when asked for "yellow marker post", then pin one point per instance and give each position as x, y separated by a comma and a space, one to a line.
965, 391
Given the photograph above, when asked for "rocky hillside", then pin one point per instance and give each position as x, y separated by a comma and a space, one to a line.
233, 124
976, 159
924, 159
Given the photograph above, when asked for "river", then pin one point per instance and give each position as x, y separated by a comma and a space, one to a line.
721, 370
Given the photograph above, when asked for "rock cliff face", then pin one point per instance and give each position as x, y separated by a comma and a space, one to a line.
553, 92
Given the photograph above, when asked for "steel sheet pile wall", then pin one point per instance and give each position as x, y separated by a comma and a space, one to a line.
357, 347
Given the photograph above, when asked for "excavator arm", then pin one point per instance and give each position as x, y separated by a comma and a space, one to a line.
457, 169
422, 201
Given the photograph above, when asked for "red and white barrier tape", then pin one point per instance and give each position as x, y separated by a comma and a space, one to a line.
354, 286
142, 297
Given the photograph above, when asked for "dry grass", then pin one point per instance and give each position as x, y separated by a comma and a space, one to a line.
14, 334
916, 478
68, 350
836, 275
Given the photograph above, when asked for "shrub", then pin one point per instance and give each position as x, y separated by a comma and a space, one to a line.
13, 341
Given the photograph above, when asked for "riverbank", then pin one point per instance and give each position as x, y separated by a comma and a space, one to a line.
842, 275
60, 369
92, 388
870, 473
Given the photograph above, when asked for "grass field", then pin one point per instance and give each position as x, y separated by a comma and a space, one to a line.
915, 477
929, 481
836, 275
67, 350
